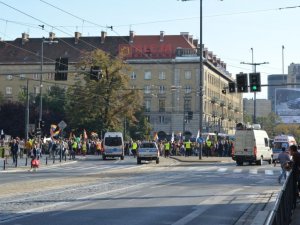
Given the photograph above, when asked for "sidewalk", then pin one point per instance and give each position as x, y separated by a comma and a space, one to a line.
24, 163
204, 159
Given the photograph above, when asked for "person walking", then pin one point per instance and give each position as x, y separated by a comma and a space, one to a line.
283, 158
14, 148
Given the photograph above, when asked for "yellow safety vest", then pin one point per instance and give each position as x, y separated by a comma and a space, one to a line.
167, 146
208, 142
134, 146
188, 144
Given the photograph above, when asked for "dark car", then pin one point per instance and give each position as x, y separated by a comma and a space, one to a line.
294, 104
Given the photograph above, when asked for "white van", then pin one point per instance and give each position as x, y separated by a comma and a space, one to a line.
282, 141
113, 145
251, 145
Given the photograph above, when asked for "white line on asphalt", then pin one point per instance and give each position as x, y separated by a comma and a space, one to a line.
269, 172
222, 169
203, 206
253, 171
237, 170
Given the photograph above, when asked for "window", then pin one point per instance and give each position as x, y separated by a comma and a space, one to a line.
22, 76
161, 119
36, 76
187, 105
161, 75
188, 89
133, 76
8, 90
9, 77
188, 75
147, 105
147, 75
36, 89
161, 105
147, 89
162, 89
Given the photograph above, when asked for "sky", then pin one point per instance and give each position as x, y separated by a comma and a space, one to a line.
235, 30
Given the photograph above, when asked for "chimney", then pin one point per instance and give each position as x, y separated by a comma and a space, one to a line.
131, 36
51, 35
161, 36
191, 39
25, 38
185, 35
103, 36
77, 36
205, 53
195, 43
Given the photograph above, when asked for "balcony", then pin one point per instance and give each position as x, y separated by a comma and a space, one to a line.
222, 104
187, 52
214, 100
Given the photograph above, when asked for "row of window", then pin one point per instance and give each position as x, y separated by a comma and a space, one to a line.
36, 76
162, 89
161, 75
162, 105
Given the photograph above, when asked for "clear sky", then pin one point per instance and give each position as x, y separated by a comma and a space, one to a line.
230, 27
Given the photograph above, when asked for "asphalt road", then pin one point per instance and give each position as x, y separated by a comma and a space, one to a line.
93, 191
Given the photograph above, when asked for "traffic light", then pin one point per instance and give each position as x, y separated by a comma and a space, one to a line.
254, 80
42, 123
95, 73
190, 115
61, 64
242, 82
231, 86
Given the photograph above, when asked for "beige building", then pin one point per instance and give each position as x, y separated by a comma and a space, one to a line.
164, 67
263, 107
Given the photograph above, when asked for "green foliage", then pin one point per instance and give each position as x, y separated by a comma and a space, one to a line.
102, 105
269, 123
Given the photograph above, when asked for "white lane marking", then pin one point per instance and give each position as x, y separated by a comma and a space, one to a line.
237, 170
253, 171
269, 172
203, 206
222, 170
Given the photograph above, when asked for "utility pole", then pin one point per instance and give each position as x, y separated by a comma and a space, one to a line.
41, 81
254, 71
27, 112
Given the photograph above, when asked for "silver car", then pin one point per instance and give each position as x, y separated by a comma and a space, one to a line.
148, 151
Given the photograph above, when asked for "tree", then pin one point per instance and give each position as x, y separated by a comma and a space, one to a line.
102, 104
269, 123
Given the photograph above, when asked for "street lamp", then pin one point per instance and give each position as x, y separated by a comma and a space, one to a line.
41, 78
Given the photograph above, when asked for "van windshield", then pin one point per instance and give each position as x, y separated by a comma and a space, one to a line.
279, 145
113, 141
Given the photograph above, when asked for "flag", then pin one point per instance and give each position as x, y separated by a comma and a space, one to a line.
198, 134
84, 135
155, 137
172, 138
53, 131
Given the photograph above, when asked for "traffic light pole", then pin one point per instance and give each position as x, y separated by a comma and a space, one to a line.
254, 70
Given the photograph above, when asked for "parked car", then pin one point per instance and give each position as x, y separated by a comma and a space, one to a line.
294, 104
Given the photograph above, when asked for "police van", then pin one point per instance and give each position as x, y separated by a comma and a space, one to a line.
113, 145
251, 145
281, 141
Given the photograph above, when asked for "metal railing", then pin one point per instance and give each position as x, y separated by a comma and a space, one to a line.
285, 203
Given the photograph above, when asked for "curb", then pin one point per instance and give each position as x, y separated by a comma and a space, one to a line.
196, 161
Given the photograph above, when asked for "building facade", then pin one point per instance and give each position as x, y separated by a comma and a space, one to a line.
164, 67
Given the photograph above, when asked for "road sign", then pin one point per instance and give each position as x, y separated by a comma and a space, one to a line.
62, 125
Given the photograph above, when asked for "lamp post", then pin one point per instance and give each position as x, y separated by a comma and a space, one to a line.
41, 79
254, 71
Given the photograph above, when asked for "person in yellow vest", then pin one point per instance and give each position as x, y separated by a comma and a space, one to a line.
98, 147
84, 148
188, 147
208, 145
74, 149
167, 147
134, 148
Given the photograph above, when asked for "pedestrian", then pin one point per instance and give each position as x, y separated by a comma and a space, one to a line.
14, 148
296, 170
33, 156
283, 159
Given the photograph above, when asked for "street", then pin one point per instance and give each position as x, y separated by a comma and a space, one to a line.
93, 191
